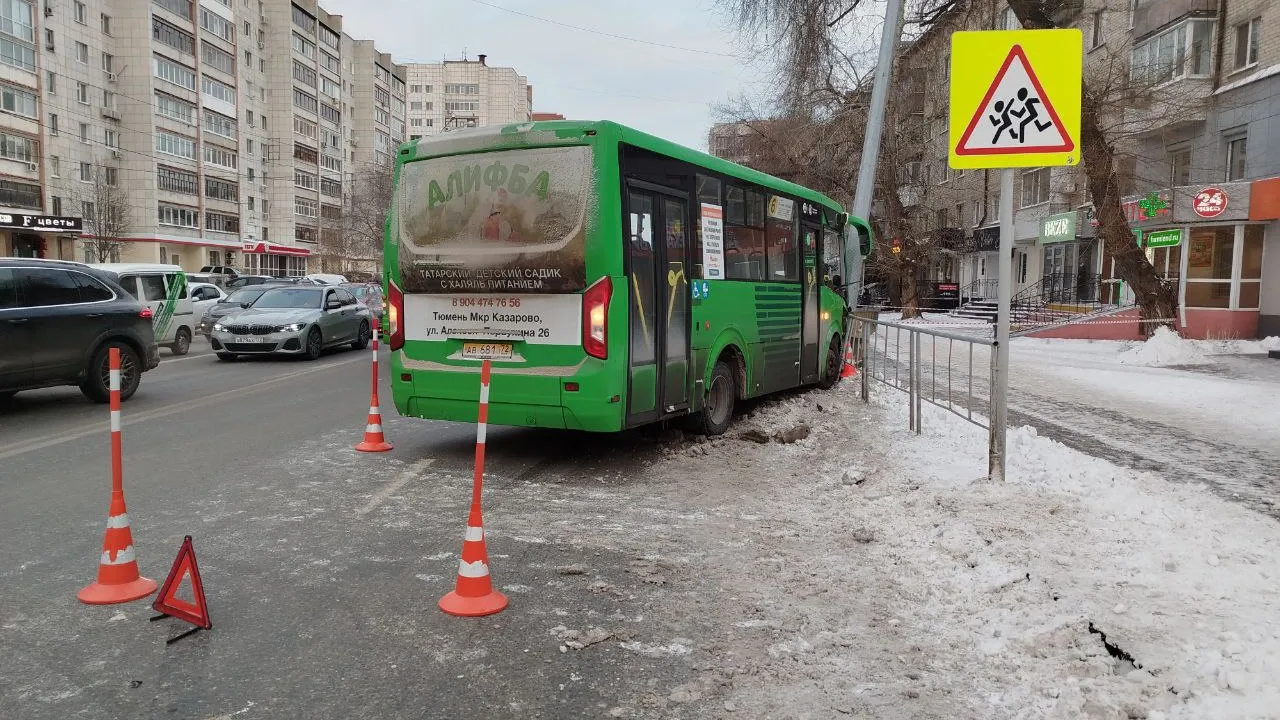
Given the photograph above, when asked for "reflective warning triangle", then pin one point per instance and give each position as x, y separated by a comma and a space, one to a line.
169, 603
1015, 116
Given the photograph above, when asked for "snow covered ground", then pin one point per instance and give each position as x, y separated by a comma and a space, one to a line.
866, 572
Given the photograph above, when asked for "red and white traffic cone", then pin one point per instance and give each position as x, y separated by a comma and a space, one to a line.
373, 438
118, 577
849, 370
473, 594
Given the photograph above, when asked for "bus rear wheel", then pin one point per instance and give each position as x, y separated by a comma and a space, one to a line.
835, 364
717, 404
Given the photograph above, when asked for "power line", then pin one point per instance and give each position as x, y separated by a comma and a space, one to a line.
603, 33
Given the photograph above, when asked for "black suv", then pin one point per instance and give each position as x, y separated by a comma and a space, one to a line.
58, 320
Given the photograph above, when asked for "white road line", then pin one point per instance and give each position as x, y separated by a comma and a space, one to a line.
194, 356
88, 429
386, 492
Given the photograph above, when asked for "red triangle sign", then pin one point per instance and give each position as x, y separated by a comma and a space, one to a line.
169, 603
1015, 116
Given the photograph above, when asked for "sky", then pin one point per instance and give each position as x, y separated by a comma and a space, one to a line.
583, 75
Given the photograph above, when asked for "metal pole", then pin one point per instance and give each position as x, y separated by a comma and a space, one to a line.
868, 357
917, 383
1000, 356
871, 140
911, 379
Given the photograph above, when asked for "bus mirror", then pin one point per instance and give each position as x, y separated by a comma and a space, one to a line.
855, 232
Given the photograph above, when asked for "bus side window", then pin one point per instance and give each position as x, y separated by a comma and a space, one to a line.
709, 193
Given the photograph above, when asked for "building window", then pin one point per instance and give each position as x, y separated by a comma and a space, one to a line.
16, 20
108, 100
20, 194
330, 187
218, 58
181, 8
304, 101
462, 89
305, 207
304, 127
55, 166
178, 216
84, 133
415, 122
1236, 158
217, 90
175, 180
304, 180
86, 172
177, 145
330, 63
1035, 187
1247, 34
304, 20
78, 11
328, 37
218, 222
19, 55
112, 175
55, 205
304, 46
16, 147
215, 24
1185, 50
304, 74
111, 138
465, 107
430, 122
53, 124
305, 154
330, 88
220, 156
172, 72
1180, 167
1224, 267
1095, 35
330, 114
219, 124
331, 163
415, 105
82, 53
175, 108
381, 115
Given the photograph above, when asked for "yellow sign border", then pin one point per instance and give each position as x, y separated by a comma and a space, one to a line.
1057, 59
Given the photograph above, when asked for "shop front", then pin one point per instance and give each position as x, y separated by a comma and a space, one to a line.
261, 258
1069, 262
38, 236
979, 269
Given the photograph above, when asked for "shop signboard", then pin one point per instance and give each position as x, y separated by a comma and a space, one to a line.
1058, 228
1209, 202
1164, 238
52, 223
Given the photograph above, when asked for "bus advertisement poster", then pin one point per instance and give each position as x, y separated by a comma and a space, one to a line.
712, 241
512, 222
534, 319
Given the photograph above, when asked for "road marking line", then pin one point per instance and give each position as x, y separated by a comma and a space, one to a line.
395, 485
88, 429
194, 356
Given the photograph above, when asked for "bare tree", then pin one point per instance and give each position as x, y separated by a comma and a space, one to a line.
365, 212
105, 208
1108, 92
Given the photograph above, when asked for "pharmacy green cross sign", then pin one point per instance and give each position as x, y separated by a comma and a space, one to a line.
1151, 204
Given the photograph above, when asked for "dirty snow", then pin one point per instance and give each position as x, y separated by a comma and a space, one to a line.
1164, 347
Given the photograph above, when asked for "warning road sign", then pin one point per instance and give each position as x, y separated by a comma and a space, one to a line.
1015, 98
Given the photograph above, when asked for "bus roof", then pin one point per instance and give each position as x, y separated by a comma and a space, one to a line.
566, 132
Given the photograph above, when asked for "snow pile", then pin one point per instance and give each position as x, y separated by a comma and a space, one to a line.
1240, 347
1163, 348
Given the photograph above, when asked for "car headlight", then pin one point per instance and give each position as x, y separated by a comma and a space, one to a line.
295, 327
218, 326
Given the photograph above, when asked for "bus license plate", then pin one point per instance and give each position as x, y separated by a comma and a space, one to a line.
486, 351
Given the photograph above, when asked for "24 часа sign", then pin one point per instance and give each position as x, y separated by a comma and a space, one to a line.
502, 222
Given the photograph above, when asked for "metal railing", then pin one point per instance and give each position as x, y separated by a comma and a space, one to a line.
980, 289
951, 371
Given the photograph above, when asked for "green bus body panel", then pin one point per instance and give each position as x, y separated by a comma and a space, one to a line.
760, 320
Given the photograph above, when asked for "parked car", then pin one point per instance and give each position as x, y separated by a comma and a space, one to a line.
225, 273
233, 303
326, 278
244, 280
371, 295
294, 320
203, 296
58, 322
163, 288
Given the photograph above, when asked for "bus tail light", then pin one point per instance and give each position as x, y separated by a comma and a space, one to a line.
595, 318
395, 311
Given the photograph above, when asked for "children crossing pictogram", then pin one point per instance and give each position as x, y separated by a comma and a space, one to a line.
1015, 115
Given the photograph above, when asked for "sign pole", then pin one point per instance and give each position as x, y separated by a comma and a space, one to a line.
1000, 361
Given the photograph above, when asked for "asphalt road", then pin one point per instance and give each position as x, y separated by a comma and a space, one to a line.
322, 565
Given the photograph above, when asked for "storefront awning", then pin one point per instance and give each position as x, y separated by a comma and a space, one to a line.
269, 248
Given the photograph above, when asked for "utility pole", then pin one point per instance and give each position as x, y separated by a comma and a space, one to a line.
871, 141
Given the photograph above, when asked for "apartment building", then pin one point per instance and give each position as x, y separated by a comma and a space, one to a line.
1193, 98
221, 131
456, 94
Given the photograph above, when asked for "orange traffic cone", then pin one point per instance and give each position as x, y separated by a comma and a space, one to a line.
373, 438
473, 595
849, 370
118, 577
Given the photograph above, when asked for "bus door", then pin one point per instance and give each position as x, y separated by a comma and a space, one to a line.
811, 279
657, 240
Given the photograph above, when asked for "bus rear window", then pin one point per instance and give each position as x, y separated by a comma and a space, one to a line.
508, 221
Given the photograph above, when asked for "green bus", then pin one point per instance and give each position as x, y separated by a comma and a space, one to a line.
612, 278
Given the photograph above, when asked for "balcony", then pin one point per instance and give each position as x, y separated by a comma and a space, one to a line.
1175, 106
1155, 14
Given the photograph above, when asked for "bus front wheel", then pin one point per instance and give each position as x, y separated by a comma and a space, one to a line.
717, 405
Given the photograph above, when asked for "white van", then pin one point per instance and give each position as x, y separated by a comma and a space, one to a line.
163, 289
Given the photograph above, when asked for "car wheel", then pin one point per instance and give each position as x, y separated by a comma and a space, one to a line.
181, 342
835, 364
717, 404
315, 344
97, 384
362, 337
226, 356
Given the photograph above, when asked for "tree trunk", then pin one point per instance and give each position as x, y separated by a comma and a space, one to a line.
1157, 302
909, 281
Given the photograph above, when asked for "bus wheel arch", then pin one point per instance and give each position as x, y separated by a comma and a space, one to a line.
732, 356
